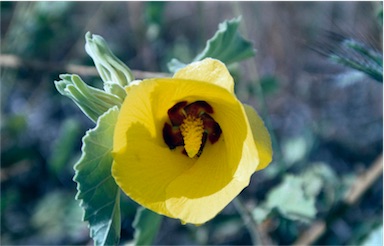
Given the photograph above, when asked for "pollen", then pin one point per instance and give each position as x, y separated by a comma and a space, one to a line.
192, 130
190, 126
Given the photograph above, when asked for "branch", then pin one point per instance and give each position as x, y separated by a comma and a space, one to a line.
364, 181
360, 186
257, 233
249, 222
13, 61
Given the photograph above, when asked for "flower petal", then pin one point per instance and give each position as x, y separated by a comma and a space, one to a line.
162, 179
208, 70
203, 191
143, 164
221, 172
261, 137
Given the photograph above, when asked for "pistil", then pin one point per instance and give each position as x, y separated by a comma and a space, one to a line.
191, 126
192, 130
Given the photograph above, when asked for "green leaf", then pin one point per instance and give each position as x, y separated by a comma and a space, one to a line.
294, 149
358, 56
97, 190
114, 73
92, 101
318, 177
291, 200
227, 45
146, 224
110, 68
295, 197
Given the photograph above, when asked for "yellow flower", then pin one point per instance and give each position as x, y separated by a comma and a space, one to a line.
185, 146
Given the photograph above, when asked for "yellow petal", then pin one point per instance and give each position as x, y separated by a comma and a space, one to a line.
162, 179
143, 165
208, 70
261, 137
203, 191
222, 171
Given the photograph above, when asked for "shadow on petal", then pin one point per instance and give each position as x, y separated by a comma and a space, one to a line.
144, 168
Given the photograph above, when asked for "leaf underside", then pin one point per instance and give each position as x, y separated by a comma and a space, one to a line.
97, 190
227, 45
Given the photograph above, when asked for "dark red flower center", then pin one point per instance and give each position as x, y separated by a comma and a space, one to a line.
191, 125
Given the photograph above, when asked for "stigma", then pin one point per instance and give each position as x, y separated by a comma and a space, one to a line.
192, 130
190, 127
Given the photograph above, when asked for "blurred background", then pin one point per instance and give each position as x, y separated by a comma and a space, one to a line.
319, 113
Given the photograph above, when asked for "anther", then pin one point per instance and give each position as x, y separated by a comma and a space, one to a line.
191, 126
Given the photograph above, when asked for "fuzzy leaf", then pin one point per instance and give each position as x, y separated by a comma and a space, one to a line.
227, 45
146, 224
92, 101
291, 199
97, 190
111, 69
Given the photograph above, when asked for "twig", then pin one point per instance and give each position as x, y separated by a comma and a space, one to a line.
12, 61
364, 181
250, 223
313, 233
360, 186
257, 233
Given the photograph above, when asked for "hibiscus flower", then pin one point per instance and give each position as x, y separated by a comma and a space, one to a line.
185, 146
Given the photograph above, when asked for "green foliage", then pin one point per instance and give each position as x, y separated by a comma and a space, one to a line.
353, 54
63, 148
97, 190
358, 56
294, 149
111, 70
295, 197
92, 101
146, 225
227, 45
114, 73
291, 199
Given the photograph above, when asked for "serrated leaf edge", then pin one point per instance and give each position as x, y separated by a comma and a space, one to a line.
80, 163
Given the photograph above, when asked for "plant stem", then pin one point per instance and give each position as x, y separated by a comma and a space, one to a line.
249, 221
12, 61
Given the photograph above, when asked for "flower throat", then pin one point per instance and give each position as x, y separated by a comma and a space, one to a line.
191, 126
